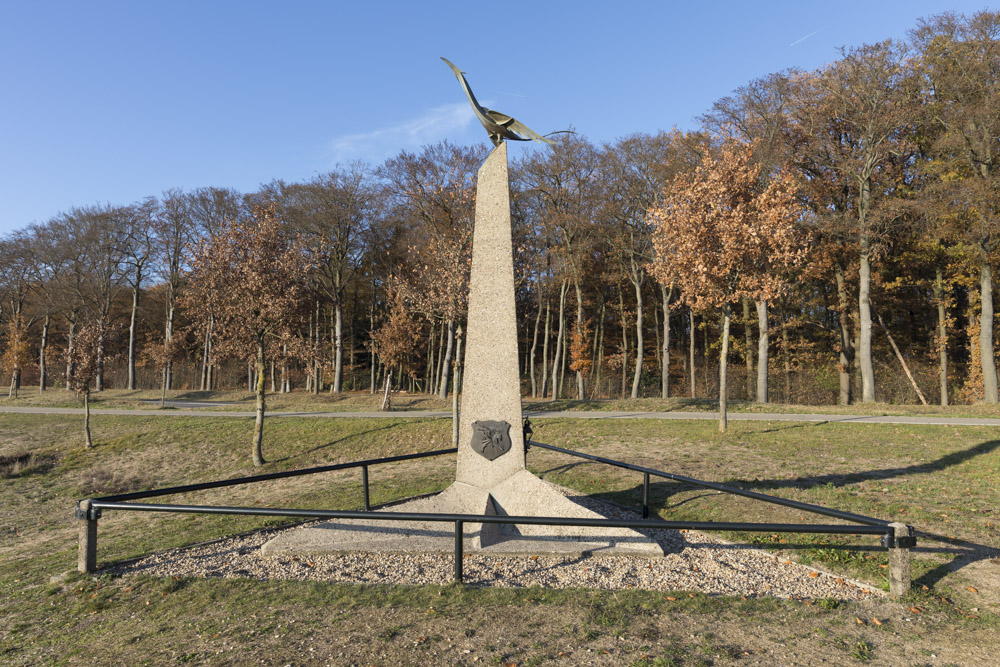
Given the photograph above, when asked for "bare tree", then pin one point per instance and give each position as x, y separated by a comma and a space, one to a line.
252, 278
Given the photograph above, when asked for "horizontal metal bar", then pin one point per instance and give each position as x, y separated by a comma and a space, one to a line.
795, 504
274, 475
647, 524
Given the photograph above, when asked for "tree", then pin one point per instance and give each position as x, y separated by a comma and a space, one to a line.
16, 284
564, 190
394, 342
173, 230
866, 101
435, 192
636, 169
251, 277
757, 112
960, 58
210, 209
86, 359
138, 251
714, 231
331, 211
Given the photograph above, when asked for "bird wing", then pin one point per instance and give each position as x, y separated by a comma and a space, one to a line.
515, 129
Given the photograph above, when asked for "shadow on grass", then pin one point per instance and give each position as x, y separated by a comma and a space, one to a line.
843, 479
338, 441
964, 552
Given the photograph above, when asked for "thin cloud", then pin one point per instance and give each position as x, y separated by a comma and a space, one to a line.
802, 39
431, 126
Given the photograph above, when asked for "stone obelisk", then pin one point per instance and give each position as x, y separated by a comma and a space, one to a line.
491, 391
491, 477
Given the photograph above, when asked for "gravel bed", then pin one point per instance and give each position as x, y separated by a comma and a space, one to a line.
693, 562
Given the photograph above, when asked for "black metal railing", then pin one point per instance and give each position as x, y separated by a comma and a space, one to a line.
90, 510
775, 500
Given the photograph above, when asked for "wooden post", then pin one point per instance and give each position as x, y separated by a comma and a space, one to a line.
87, 556
899, 563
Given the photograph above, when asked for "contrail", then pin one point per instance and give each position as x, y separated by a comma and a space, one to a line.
802, 39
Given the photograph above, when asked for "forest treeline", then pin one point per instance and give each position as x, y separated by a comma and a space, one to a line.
831, 234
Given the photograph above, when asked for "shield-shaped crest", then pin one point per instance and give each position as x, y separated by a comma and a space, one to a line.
490, 438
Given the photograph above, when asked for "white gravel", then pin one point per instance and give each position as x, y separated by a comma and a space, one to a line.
693, 562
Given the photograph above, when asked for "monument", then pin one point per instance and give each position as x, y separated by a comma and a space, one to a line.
491, 477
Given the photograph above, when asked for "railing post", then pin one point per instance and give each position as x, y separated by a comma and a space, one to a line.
899, 559
364, 483
87, 554
459, 538
645, 495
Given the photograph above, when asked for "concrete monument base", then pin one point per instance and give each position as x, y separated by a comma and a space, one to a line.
523, 494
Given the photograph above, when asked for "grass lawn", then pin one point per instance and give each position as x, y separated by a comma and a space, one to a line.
941, 479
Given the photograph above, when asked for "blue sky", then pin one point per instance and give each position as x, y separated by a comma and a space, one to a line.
113, 101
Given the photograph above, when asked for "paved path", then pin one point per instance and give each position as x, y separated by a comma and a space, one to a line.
589, 414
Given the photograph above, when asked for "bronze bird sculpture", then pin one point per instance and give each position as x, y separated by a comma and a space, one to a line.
498, 125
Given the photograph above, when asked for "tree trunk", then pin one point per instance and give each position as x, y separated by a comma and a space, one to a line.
534, 348
205, 355
258, 429
89, 443
387, 393
624, 325
986, 359
42, 369
691, 352
545, 346
446, 367
131, 338
723, 363
559, 340
902, 361
865, 315
580, 392
168, 336
163, 388
748, 358
338, 348
639, 351
99, 373
439, 372
845, 351
665, 357
763, 344
942, 333
458, 378
430, 370
786, 357
598, 352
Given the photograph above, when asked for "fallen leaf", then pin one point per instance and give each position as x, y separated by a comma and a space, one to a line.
671, 598
915, 610
534, 558
876, 621
973, 589
859, 621
690, 595
813, 575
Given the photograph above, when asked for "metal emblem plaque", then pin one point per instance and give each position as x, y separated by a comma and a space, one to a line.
490, 439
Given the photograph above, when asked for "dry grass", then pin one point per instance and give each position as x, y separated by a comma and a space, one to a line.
917, 473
